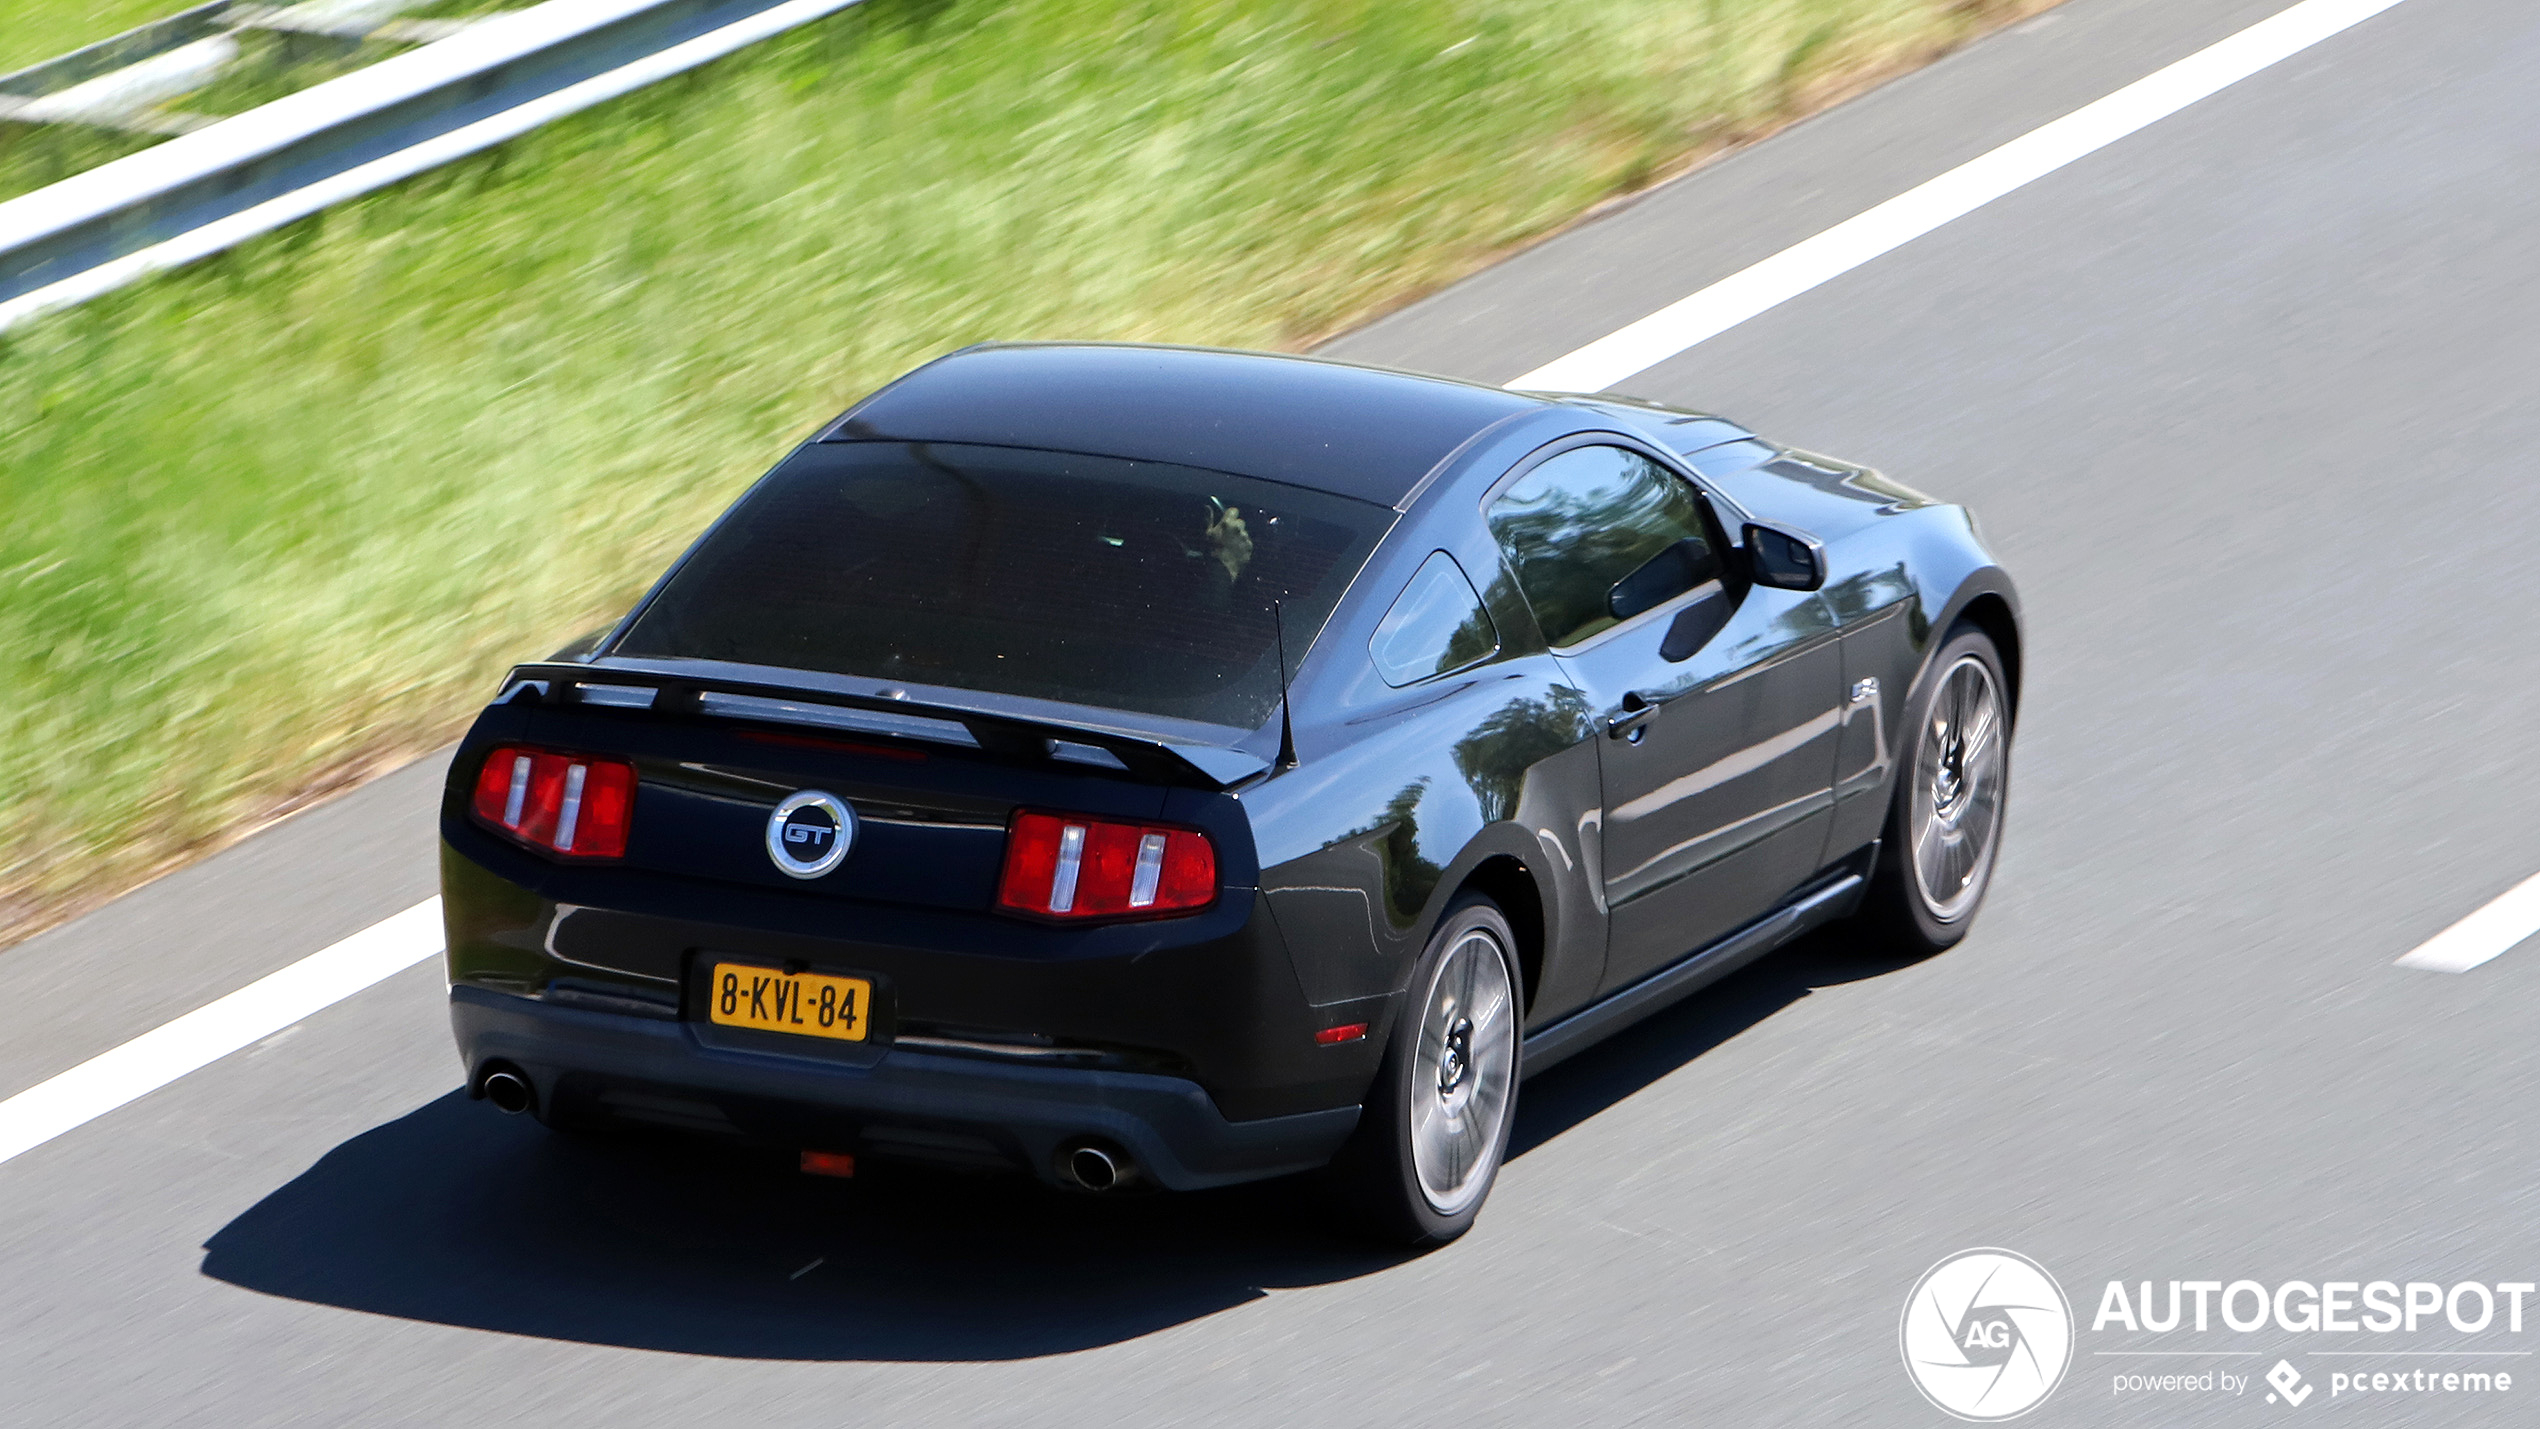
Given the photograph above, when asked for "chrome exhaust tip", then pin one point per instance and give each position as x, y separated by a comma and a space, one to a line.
509, 1091
1095, 1168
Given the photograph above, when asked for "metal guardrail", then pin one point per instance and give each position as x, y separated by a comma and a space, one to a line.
109, 55
124, 82
207, 190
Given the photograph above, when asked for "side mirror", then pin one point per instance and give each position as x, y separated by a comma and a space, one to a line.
1783, 558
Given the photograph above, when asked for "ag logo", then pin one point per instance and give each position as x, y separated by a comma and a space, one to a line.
809, 833
1987, 1334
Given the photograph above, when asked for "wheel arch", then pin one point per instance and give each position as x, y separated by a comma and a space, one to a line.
1985, 598
1989, 612
1507, 882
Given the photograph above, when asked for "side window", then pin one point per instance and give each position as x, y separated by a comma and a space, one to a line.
1437, 624
1599, 534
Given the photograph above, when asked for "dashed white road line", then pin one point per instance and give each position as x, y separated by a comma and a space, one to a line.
213, 1031
324, 978
1620, 355
2492, 931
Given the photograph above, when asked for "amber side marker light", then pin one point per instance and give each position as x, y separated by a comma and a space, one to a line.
1346, 1032
829, 1163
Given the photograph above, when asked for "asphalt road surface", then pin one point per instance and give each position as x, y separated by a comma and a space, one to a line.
2247, 403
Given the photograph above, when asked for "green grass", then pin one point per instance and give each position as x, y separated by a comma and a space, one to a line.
33, 31
285, 515
33, 155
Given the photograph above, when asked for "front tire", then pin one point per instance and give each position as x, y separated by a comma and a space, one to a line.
1944, 824
1429, 1145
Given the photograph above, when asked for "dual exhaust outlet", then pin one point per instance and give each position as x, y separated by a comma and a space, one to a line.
1084, 1165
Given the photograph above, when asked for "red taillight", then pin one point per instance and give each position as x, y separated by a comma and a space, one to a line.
563, 803
1075, 867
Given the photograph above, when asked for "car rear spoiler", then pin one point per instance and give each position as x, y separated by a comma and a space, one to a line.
621, 684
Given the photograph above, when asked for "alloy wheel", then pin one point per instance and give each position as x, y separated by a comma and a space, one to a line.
1463, 1072
1956, 810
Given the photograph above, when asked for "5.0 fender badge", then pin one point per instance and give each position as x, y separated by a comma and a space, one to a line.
810, 833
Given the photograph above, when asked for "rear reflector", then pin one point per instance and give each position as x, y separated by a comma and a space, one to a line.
559, 803
1347, 1032
1080, 868
828, 1163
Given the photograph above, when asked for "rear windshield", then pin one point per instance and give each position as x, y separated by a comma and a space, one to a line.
1128, 585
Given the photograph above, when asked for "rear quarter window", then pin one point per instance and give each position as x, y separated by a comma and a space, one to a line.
1436, 625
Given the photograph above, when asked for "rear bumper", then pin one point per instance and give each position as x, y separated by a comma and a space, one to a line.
940, 1105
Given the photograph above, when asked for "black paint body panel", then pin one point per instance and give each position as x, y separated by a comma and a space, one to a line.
1354, 431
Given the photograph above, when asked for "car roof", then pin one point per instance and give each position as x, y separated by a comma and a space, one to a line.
1364, 432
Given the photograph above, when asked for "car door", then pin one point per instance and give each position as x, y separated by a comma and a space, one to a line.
1719, 700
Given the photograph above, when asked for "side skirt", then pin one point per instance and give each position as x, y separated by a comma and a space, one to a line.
1820, 905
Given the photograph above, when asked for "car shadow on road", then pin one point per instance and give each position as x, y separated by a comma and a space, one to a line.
456, 1215
1566, 1095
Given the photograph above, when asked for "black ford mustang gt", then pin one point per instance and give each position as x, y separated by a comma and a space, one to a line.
1140, 764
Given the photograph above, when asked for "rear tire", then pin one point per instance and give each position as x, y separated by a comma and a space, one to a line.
1429, 1144
1944, 821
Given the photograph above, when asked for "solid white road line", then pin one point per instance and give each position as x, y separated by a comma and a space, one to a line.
1622, 354
213, 1031
2490, 932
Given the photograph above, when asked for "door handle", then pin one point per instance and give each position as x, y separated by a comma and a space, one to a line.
1632, 721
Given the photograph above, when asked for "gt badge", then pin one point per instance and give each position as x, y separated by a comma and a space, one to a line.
810, 833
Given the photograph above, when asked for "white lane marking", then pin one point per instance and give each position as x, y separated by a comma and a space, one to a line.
210, 1032
2510, 917
1626, 352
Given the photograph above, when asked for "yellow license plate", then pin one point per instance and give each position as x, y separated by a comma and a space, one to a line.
807, 1004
